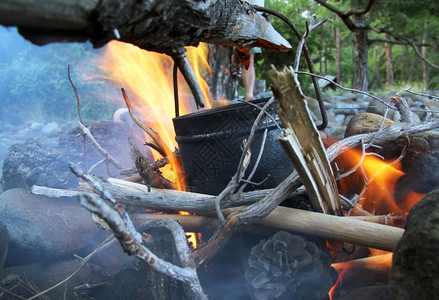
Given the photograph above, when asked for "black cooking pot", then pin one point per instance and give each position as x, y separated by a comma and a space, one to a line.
210, 143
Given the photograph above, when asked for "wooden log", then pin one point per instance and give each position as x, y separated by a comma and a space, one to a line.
161, 26
302, 143
330, 227
325, 226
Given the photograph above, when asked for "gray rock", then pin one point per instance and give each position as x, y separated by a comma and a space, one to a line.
44, 161
41, 228
415, 270
346, 108
27, 280
434, 106
378, 107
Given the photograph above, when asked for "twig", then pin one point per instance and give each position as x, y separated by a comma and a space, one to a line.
105, 243
96, 164
302, 41
133, 245
98, 147
345, 88
87, 133
179, 236
246, 216
250, 138
242, 165
163, 149
408, 90
185, 68
78, 107
78, 102
258, 159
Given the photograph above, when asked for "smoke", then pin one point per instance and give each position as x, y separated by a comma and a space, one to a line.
34, 85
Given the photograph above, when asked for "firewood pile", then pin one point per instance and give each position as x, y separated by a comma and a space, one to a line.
288, 250
106, 197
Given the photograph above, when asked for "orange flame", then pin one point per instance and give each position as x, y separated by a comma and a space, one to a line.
374, 263
147, 77
382, 177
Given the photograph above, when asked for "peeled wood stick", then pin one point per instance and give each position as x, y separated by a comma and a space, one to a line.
398, 221
325, 226
332, 227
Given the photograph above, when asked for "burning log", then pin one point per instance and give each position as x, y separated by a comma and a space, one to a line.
152, 25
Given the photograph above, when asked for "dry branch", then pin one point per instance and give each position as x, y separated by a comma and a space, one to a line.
386, 134
347, 229
133, 245
245, 217
161, 146
302, 143
160, 26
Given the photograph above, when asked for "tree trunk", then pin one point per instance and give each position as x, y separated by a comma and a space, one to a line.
414, 67
360, 60
378, 71
338, 55
222, 85
425, 69
389, 63
321, 55
161, 26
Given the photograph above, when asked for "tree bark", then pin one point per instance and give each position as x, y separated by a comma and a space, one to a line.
222, 85
360, 59
338, 53
425, 69
389, 62
161, 26
378, 71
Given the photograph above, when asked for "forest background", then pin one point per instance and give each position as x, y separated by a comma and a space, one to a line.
379, 46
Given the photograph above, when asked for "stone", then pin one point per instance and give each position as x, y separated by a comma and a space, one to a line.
365, 123
42, 228
27, 280
434, 106
3, 244
44, 161
419, 164
415, 270
378, 107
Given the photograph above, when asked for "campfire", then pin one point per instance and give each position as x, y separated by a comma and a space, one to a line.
366, 181
247, 200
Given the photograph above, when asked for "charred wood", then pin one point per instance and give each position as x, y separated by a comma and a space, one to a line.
161, 26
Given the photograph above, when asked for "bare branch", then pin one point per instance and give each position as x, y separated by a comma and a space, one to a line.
163, 149
87, 132
345, 88
360, 11
133, 246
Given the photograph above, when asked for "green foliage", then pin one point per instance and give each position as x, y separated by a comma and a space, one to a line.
34, 84
406, 18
